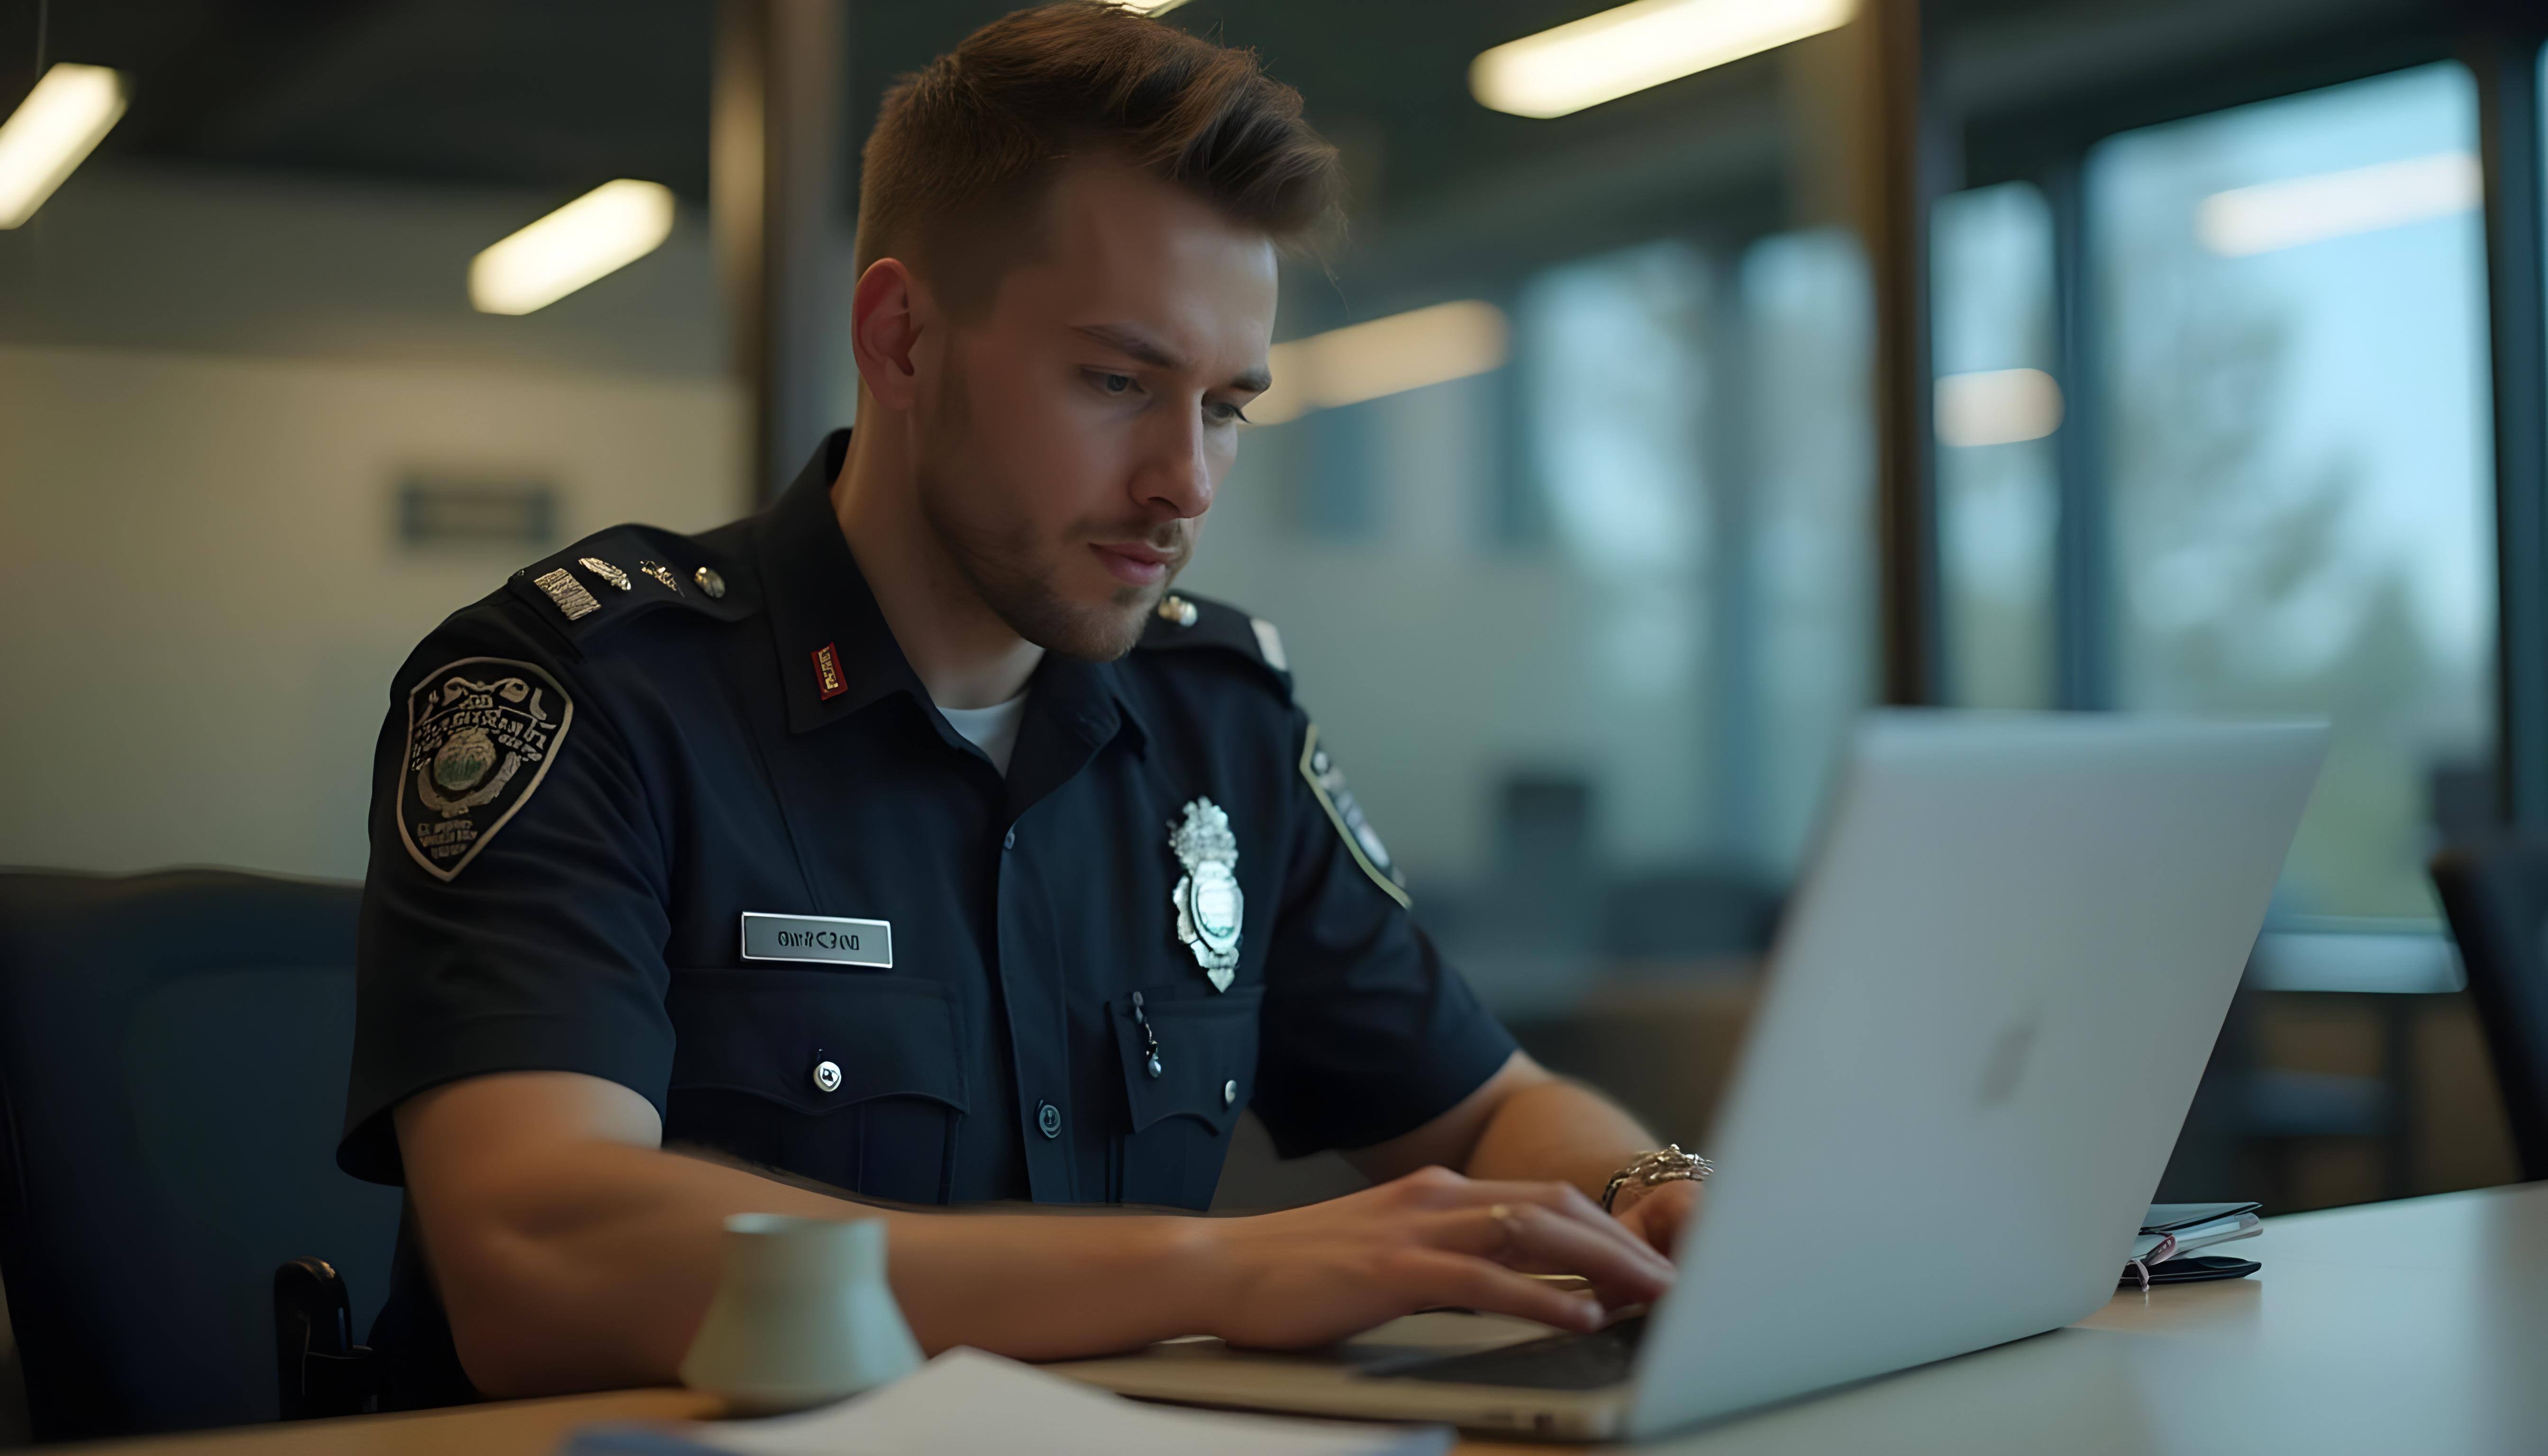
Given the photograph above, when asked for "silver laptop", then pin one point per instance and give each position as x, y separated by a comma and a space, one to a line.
1988, 1009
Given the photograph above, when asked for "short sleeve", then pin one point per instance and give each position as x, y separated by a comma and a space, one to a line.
514, 915
1368, 1033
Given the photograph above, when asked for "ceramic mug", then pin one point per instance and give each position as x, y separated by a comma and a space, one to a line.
803, 1316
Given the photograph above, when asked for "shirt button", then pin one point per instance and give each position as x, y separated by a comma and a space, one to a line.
1048, 1120
1009, 841
827, 1076
1228, 1092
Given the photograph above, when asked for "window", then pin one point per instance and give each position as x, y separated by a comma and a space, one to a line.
1812, 536
1999, 405
1617, 383
2292, 309
1617, 738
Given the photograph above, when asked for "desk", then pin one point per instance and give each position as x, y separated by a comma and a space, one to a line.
2416, 1325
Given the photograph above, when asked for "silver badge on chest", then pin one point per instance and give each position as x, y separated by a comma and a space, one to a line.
1207, 902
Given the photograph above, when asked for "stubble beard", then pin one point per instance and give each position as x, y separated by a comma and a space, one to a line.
1012, 576
1003, 570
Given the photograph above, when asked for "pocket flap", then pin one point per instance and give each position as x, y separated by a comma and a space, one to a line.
1207, 1057
768, 1031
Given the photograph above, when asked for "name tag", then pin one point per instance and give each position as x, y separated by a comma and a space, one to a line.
821, 938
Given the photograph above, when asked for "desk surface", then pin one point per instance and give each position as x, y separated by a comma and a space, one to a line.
2413, 1325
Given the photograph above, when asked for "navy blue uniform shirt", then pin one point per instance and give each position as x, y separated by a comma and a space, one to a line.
675, 812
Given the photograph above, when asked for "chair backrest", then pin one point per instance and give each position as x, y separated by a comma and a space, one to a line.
2496, 893
173, 1050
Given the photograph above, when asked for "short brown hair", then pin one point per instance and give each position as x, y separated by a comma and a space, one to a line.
964, 151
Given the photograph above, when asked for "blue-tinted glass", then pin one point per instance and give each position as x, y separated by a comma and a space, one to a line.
1811, 537
2294, 311
1341, 492
1608, 737
1614, 377
1998, 405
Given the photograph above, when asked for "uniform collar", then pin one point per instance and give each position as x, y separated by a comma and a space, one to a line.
819, 600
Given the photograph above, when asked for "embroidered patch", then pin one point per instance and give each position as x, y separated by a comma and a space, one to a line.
827, 672
481, 734
1327, 783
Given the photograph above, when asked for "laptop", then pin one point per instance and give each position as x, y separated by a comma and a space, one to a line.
1985, 1014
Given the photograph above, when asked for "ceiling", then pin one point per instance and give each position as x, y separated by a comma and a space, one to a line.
565, 94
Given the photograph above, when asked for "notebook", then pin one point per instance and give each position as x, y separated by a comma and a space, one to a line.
2172, 1232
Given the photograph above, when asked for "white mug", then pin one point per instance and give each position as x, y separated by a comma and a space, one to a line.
802, 1316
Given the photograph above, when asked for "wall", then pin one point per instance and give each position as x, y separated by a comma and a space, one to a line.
204, 599
212, 384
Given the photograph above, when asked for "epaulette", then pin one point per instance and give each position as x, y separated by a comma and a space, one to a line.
1185, 620
626, 572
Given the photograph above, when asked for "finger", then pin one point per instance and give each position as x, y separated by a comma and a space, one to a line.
1562, 1200
1436, 1278
1657, 1221
1533, 1241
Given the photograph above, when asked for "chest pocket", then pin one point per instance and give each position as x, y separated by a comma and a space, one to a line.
1179, 1121
844, 1077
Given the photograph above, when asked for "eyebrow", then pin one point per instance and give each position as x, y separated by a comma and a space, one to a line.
1133, 344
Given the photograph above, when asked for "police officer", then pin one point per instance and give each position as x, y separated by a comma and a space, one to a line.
913, 844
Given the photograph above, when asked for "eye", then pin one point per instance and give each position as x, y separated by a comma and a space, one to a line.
1221, 411
1111, 383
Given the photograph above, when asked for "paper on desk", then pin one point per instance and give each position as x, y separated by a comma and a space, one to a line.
965, 1402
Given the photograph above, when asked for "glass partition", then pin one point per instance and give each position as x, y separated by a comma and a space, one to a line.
1999, 406
2293, 299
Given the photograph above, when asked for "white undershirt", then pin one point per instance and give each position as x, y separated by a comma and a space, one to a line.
993, 730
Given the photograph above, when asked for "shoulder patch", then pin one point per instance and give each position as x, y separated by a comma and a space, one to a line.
481, 734
1183, 620
612, 576
1327, 783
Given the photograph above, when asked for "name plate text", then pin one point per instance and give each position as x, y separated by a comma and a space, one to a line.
821, 937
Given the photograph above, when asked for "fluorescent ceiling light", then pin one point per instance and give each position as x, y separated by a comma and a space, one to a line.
1149, 7
1603, 56
603, 230
2277, 215
1364, 361
1997, 406
52, 131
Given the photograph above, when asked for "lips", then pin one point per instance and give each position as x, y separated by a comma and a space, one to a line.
1132, 561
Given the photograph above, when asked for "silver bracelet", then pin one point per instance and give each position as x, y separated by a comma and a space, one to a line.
1666, 1164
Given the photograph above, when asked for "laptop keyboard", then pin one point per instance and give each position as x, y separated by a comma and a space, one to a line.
1561, 1362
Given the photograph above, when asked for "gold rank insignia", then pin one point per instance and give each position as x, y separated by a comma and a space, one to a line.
1208, 902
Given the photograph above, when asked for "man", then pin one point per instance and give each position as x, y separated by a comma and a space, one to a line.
911, 845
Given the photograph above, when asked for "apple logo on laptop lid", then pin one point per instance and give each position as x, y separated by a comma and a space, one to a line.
2005, 1066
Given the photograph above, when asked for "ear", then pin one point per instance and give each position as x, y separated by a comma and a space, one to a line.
884, 330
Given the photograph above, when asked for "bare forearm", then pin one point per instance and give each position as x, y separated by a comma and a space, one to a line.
573, 1254
595, 1268
1558, 1130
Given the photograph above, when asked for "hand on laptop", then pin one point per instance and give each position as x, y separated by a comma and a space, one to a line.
1433, 1239
1659, 1214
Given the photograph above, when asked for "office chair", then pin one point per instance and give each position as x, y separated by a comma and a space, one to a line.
172, 1075
2496, 893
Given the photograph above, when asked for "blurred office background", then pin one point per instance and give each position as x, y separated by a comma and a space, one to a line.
2135, 354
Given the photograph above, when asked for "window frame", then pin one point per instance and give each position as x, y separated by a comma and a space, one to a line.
2048, 145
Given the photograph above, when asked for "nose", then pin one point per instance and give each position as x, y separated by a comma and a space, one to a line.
1175, 477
